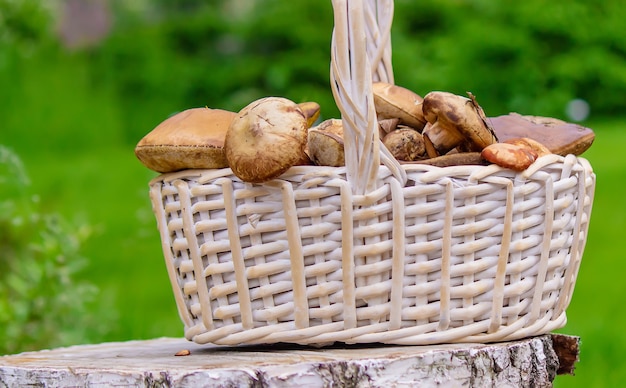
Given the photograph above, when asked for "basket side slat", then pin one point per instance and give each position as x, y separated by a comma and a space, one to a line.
545, 250
237, 255
398, 254
469, 236
194, 251
347, 255
585, 191
444, 316
261, 269
158, 206
503, 258
298, 278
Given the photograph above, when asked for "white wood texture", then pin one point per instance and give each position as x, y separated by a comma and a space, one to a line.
153, 363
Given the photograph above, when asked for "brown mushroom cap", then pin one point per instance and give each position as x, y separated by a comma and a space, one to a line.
558, 136
395, 102
454, 120
193, 138
265, 139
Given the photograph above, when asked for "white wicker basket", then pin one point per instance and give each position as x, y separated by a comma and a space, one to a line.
374, 251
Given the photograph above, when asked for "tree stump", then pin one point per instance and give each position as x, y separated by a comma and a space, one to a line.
175, 362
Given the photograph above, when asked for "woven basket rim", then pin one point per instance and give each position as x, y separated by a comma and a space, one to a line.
469, 169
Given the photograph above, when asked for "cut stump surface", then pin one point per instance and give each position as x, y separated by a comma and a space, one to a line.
175, 362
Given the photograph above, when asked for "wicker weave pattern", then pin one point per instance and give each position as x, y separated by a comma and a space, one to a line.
457, 254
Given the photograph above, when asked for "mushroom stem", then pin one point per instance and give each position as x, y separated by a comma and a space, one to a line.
439, 140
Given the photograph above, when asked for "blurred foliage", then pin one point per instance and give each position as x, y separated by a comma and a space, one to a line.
23, 22
217, 55
530, 57
165, 56
41, 302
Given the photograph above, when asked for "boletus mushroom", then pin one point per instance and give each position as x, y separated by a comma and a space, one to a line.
405, 144
325, 143
266, 138
396, 102
193, 138
558, 136
454, 121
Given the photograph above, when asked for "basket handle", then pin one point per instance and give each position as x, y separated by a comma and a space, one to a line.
361, 55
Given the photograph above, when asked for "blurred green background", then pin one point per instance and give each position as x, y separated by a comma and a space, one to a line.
81, 81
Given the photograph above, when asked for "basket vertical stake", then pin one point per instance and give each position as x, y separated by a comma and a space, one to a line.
156, 197
444, 314
398, 253
577, 248
545, 251
194, 252
298, 277
237, 256
347, 256
503, 259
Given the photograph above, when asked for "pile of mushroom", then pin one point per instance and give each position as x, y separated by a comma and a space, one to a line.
272, 134
258, 143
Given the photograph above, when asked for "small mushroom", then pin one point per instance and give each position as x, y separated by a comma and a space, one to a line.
265, 139
193, 138
454, 121
393, 101
325, 143
513, 156
405, 144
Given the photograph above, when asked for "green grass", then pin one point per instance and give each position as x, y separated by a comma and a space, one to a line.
69, 134
108, 189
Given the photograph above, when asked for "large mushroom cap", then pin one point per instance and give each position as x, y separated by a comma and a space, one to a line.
396, 102
193, 138
558, 136
266, 138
